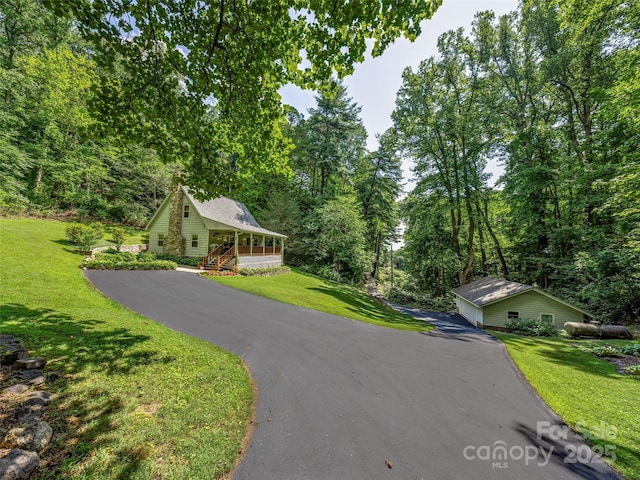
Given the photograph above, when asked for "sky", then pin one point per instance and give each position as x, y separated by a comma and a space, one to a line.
374, 83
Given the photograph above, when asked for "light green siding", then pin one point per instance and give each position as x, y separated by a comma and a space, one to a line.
159, 225
193, 224
529, 305
190, 225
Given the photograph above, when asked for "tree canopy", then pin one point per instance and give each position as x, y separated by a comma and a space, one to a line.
199, 80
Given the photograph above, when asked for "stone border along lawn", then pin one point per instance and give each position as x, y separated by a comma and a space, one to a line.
131, 398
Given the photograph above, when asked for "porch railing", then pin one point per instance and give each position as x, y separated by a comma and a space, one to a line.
210, 257
245, 250
226, 258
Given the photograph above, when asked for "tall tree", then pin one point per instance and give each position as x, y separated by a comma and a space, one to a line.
439, 118
526, 117
336, 240
378, 185
330, 143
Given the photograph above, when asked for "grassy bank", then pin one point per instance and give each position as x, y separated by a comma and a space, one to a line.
313, 292
586, 392
133, 398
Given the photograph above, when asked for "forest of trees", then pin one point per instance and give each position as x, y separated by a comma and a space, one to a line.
550, 92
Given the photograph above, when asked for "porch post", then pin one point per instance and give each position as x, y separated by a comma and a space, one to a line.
264, 242
235, 247
251, 244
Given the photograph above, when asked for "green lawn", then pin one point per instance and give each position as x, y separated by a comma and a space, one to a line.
133, 398
585, 391
309, 291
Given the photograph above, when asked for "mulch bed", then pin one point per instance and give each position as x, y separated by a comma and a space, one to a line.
622, 362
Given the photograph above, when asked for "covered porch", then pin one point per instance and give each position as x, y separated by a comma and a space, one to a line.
242, 249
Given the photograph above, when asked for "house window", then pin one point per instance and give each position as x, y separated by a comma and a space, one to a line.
511, 315
546, 317
160, 239
186, 211
248, 240
194, 240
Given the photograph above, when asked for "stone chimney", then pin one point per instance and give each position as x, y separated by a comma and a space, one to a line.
174, 243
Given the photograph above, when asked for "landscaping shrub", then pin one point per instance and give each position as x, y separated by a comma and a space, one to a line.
531, 328
420, 300
264, 272
118, 236
605, 351
113, 260
84, 236
631, 349
190, 261
329, 273
632, 370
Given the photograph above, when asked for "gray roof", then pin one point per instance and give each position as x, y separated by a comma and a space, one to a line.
489, 290
229, 212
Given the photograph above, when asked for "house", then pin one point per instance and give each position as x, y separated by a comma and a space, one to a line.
221, 231
491, 302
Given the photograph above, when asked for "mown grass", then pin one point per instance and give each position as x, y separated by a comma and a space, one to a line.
133, 236
309, 291
134, 399
586, 392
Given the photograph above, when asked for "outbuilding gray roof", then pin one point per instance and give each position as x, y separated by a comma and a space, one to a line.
229, 212
489, 290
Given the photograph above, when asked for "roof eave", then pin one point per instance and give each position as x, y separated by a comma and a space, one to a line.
482, 305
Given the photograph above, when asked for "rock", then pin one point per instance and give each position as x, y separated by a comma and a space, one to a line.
18, 464
16, 388
38, 399
30, 374
29, 416
11, 353
4, 339
37, 380
32, 437
29, 363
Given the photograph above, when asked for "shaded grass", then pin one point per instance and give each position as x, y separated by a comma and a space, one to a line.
134, 399
309, 291
586, 392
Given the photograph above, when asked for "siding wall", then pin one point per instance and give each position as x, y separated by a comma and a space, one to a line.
470, 312
160, 225
530, 305
193, 224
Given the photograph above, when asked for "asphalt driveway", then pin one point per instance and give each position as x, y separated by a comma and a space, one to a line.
341, 399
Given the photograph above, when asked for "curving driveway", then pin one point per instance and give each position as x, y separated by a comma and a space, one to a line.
341, 399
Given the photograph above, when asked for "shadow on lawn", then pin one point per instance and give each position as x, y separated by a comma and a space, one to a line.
83, 419
70, 247
369, 308
563, 353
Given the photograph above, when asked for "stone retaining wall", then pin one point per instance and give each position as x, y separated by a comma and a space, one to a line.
123, 248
